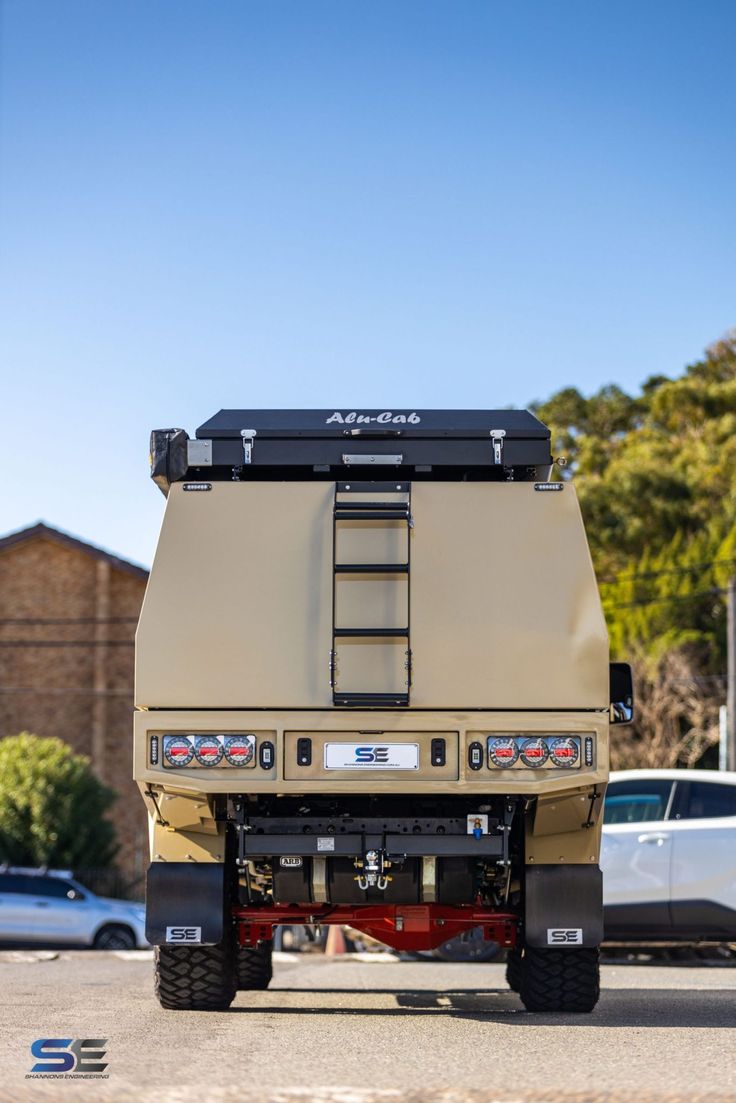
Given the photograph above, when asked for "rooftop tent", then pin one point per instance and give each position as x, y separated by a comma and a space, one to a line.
496, 445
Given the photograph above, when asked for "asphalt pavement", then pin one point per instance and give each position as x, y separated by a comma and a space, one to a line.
341, 1030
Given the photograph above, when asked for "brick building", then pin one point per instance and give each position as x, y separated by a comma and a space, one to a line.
68, 612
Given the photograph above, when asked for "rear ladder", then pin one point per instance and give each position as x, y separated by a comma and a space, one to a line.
371, 519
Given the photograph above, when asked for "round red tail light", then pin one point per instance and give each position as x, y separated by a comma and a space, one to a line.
534, 753
178, 750
239, 749
503, 753
564, 752
208, 750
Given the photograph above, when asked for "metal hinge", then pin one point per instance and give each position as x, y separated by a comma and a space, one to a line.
247, 435
364, 459
497, 436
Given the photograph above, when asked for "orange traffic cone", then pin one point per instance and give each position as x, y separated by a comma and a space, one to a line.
335, 943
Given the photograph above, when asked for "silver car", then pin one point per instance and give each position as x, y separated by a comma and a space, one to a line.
50, 908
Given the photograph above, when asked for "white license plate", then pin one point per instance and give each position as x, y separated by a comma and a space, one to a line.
371, 756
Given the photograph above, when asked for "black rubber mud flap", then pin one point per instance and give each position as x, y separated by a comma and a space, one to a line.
563, 907
185, 903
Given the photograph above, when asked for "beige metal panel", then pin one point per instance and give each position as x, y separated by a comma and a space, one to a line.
375, 665
505, 610
371, 601
238, 609
366, 778
372, 541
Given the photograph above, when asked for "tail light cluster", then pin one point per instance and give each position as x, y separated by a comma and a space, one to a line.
231, 749
534, 751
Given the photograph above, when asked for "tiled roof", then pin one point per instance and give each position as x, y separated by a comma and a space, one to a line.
41, 531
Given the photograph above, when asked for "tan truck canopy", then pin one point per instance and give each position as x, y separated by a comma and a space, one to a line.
311, 561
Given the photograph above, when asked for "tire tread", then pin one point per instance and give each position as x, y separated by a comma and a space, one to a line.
195, 978
560, 980
254, 967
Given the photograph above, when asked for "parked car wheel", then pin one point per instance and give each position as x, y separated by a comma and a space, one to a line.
114, 937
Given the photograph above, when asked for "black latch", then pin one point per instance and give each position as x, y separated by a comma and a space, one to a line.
266, 756
475, 756
439, 752
304, 752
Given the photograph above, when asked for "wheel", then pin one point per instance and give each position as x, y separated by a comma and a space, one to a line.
513, 969
468, 946
560, 980
254, 965
114, 937
195, 978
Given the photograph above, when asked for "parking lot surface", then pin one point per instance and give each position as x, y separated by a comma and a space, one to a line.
341, 1030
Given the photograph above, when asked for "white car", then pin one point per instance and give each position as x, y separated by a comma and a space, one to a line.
50, 908
669, 856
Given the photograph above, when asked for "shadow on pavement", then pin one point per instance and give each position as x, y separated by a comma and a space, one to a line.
619, 1007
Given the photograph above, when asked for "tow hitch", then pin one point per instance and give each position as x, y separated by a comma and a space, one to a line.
373, 865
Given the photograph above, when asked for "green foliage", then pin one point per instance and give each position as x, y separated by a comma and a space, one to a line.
52, 806
656, 476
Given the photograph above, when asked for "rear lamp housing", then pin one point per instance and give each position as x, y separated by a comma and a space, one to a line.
520, 750
205, 750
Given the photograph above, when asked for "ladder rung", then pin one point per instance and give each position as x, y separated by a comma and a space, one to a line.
371, 506
356, 514
371, 568
371, 632
374, 487
371, 700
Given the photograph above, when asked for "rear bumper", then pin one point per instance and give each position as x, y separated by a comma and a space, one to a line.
285, 774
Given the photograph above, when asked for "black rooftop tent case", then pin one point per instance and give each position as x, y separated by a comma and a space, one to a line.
486, 444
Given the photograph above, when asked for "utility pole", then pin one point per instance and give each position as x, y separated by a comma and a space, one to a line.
731, 692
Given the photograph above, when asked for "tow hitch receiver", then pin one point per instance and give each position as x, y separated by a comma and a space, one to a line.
403, 927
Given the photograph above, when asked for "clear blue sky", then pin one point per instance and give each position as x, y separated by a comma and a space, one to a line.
309, 203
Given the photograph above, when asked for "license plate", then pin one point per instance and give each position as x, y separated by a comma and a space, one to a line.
371, 756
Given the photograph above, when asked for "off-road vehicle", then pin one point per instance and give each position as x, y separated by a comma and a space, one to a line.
372, 688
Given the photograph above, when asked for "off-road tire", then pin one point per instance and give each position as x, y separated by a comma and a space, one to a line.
254, 966
195, 978
560, 980
513, 970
